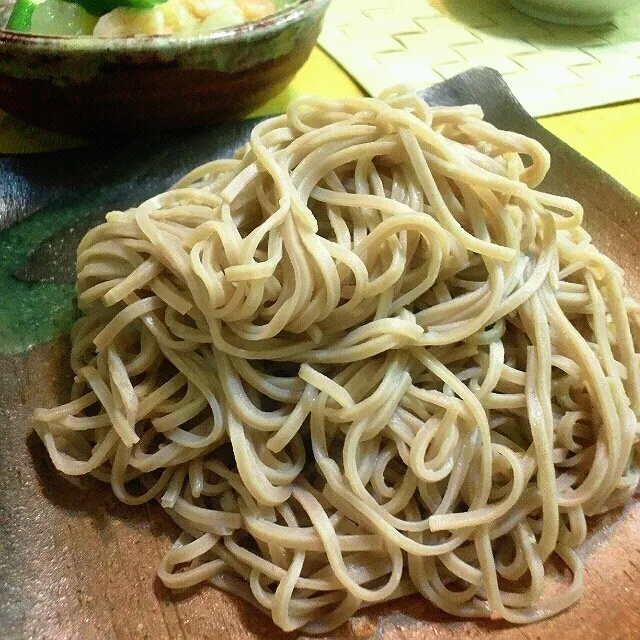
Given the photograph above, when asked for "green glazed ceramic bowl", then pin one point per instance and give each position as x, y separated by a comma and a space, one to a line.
95, 86
573, 12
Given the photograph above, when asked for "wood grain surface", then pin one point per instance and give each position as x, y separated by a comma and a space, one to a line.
77, 564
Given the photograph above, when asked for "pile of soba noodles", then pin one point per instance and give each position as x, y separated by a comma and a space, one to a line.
361, 359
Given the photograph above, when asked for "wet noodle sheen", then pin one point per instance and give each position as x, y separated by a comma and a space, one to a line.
364, 358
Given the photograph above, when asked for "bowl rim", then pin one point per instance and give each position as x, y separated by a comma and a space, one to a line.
246, 31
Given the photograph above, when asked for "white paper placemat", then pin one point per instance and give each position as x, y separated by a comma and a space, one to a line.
550, 68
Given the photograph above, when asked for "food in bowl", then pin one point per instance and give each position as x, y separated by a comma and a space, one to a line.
94, 86
123, 18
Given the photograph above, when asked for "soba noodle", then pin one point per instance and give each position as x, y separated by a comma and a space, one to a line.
361, 359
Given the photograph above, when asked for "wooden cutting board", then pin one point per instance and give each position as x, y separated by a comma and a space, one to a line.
77, 564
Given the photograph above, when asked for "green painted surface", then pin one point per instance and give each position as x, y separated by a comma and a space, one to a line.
31, 313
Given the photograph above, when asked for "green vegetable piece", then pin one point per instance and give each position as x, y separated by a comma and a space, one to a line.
100, 7
20, 18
